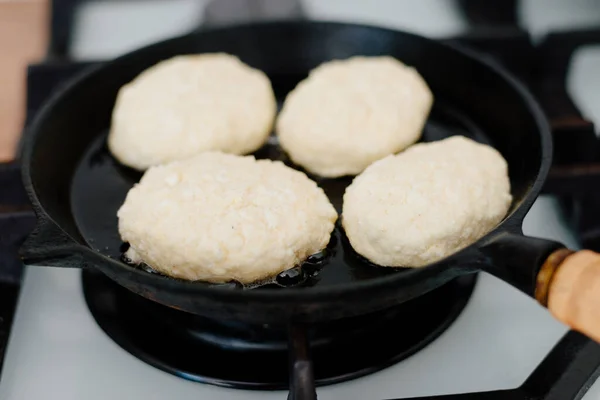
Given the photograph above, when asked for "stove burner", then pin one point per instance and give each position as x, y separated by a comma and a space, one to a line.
189, 346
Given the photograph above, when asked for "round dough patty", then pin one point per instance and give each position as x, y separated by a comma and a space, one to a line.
189, 104
422, 205
218, 217
349, 113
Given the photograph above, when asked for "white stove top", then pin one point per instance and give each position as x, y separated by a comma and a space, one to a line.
58, 352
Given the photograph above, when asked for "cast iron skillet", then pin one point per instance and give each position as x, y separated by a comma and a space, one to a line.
76, 186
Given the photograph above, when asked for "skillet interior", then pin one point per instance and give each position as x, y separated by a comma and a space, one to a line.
100, 185
80, 186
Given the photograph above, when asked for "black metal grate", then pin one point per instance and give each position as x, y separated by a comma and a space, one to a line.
16, 221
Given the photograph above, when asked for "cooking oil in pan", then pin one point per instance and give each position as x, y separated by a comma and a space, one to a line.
300, 275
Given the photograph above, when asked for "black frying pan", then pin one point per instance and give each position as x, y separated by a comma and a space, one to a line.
76, 186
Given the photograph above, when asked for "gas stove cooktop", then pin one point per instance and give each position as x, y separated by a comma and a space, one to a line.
78, 336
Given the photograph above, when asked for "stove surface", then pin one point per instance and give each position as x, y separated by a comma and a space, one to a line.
57, 351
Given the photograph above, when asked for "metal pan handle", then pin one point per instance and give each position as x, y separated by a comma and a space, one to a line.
564, 281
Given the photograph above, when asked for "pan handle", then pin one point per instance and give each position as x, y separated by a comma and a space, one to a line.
564, 281
50, 246
516, 258
569, 286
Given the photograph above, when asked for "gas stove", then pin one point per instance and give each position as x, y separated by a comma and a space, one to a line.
75, 335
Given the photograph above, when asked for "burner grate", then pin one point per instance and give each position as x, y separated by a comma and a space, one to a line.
16, 221
340, 350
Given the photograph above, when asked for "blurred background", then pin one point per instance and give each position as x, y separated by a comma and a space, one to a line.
44, 30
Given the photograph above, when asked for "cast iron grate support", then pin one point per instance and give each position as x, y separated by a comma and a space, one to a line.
16, 221
567, 372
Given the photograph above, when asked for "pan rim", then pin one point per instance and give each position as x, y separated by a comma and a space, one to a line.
511, 222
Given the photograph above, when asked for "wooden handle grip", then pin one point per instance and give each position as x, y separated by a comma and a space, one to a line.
571, 281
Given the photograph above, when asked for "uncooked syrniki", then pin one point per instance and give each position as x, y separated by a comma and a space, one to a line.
349, 113
426, 203
189, 104
219, 217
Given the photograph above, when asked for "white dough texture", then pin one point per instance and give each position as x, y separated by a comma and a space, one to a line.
348, 113
218, 217
426, 203
189, 104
